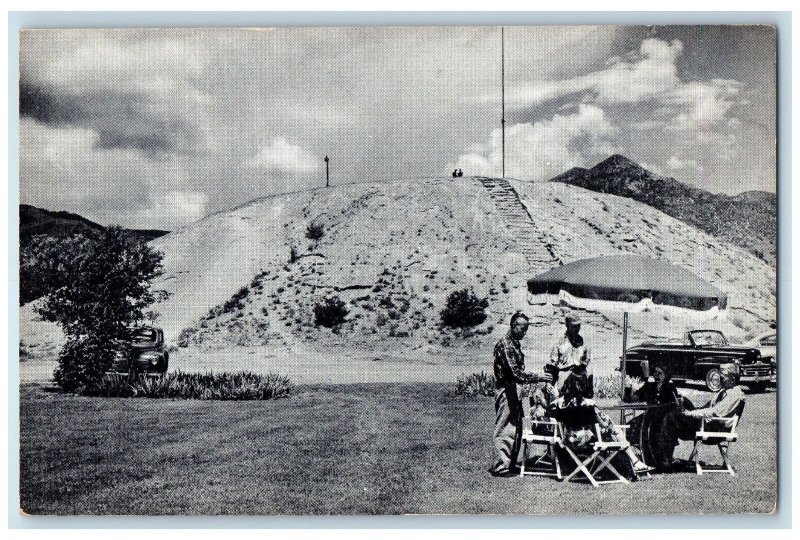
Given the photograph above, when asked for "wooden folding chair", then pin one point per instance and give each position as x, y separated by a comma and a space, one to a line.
719, 432
539, 432
599, 452
544, 432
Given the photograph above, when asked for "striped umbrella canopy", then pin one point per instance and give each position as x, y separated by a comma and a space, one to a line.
630, 279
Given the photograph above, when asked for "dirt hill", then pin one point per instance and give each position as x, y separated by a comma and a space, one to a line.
748, 220
248, 279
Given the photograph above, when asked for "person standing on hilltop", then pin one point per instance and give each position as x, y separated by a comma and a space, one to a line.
509, 371
571, 353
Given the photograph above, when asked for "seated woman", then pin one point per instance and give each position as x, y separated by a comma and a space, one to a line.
573, 394
663, 398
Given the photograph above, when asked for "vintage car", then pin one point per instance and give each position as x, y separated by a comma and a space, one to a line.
698, 358
767, 344
147, 352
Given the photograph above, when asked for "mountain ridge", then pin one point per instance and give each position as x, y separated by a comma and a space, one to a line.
748, 219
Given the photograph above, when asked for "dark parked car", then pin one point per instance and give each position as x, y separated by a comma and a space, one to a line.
698, 358
147, 352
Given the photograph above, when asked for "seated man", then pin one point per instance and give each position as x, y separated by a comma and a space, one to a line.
683, 424
573, 393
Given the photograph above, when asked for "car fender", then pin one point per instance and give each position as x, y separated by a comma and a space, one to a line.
702, 365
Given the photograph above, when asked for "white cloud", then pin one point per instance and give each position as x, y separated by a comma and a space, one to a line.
703, 104
675, 163
172, 210
647, 74
541, 150
285, 159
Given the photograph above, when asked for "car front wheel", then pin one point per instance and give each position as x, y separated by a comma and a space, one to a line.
714, 380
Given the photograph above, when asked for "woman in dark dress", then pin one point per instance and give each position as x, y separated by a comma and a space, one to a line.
663, 398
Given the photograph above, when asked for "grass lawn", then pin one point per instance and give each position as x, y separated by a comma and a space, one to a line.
334, 449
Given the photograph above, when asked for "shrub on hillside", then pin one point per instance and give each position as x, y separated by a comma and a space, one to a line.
315, 231
477, 384
186, 337
464, 309
330, 312
239, 386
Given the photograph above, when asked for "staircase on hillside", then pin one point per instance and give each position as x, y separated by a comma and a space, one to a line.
530, 239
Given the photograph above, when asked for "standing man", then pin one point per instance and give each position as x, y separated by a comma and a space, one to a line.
509, 371
571, 353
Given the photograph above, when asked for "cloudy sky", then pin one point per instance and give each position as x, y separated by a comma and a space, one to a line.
157, 128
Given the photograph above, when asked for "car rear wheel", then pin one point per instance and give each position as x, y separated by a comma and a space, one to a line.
714, 380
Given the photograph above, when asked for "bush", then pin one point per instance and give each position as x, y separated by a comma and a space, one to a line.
330, 312
315, 231
83, 362
464, 309
237, 386
186, 337
477, 384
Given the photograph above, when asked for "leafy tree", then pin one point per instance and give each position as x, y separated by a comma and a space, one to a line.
464, 309
42, 260
106, 288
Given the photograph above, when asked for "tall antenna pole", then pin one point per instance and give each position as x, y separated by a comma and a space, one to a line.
327, 173
503, 98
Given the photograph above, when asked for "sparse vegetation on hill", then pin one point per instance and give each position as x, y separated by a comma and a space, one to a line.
748, 220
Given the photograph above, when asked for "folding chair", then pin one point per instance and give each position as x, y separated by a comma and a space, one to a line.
599, 451
719, 432
544, 432
539, 432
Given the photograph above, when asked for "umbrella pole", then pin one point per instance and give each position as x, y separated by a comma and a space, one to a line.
624, 357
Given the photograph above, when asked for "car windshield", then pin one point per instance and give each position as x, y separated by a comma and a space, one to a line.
708, 337
143, 336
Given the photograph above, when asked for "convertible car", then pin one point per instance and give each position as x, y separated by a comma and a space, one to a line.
698, 358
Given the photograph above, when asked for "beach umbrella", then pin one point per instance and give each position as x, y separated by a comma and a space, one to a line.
628, 284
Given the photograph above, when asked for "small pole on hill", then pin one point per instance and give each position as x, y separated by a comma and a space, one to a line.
327, 173
503, 98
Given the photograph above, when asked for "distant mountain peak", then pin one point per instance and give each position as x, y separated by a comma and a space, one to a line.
748, 220
616, 161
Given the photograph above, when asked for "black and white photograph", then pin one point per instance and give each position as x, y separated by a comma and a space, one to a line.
388, 270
